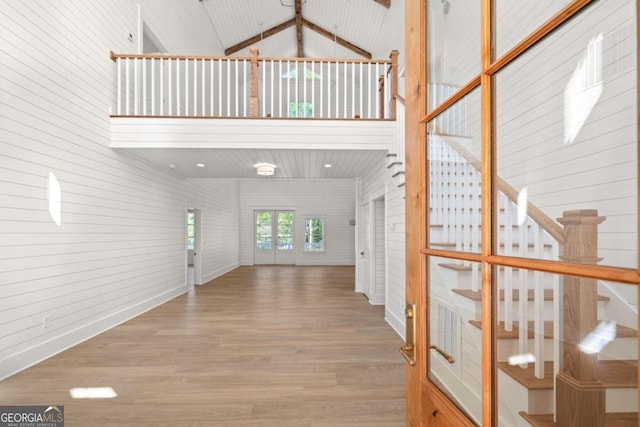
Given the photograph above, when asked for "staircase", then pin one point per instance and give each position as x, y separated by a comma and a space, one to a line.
528, 330
395, 169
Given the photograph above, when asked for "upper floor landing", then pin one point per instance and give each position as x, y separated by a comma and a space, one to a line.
172, 101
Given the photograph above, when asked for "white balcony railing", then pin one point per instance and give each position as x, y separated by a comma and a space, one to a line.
185, 86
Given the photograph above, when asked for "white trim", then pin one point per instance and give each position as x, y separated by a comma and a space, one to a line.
395, 322
31, 356
219, 272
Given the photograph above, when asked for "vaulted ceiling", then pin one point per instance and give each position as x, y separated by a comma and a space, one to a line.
337, 29
308, 28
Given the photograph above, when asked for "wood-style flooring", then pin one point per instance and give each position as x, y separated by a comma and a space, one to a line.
260, 346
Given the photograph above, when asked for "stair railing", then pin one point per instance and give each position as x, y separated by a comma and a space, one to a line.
254, 86
455, 203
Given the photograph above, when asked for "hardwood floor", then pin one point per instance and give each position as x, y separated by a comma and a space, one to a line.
260, 346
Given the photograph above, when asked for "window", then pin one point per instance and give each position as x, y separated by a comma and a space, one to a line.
314, 234
300, 109
190, 230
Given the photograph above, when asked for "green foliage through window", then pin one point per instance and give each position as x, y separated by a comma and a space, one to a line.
314, 234
300, 109
191, 230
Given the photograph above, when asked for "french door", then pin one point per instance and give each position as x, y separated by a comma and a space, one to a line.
274, 237
522, 213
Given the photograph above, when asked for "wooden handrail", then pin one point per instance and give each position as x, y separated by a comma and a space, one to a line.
114, 56
544, 220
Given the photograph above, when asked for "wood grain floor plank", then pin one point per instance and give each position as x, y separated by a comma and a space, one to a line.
257, 347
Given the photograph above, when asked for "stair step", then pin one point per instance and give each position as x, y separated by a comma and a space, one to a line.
548, 295
455, 267
462, 267
501, 333
612, 373
392, 164
612, 419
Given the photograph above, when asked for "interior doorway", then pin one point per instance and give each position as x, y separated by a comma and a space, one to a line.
373, 257
274, 237
194, 247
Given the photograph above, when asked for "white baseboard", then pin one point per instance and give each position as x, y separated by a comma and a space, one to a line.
36, 354
376, 299
218, 272
396, 323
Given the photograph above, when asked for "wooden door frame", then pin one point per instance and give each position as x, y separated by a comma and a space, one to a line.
438, 409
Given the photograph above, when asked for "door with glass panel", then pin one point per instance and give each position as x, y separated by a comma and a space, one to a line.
522, 244
274, 238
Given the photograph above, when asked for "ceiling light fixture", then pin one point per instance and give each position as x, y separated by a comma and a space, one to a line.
283, 3
265, 169
328, 165
200, 165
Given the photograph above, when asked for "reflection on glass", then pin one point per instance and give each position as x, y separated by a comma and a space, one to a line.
566, 134
454, 176
567, 336
455, 332
453, 47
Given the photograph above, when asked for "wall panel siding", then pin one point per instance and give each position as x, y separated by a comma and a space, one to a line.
120, 247
334, 200
379, 180
219, 204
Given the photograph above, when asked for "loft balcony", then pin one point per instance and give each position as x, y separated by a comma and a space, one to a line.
176, 101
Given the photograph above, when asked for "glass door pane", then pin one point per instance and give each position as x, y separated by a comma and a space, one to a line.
453, 153
285, 231
517, 19
454, 335
566, 137
566, 351
263, 230
453, 47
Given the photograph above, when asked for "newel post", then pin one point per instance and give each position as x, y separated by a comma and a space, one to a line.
580, 395
393, 80
254, 102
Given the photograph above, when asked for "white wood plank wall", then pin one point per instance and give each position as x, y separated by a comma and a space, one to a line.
332, 199
219, 204
373, 183
120, 247
570, 156
380, 242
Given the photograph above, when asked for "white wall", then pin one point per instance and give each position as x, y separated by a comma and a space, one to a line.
219, 204
376, 182
332, 199
573, 145
120, 247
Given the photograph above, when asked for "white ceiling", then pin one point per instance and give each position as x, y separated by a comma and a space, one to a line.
232, 163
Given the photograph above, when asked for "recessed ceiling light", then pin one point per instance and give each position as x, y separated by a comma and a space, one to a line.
200, 165
328, 165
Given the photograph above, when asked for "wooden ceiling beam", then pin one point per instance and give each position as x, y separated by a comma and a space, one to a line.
385, 3
255, 39
298, 6
342, 42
